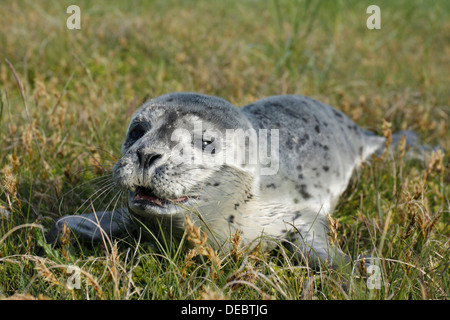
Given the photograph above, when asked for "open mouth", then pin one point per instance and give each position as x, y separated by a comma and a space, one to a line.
146, 195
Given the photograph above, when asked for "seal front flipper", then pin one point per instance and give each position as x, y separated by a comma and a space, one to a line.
309, 241
93, 227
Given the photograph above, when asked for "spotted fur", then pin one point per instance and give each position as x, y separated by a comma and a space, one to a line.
319, 149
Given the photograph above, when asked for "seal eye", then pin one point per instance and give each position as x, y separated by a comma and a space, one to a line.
136, 134
206, 143
137, 131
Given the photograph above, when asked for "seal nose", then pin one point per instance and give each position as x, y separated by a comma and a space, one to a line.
147, 160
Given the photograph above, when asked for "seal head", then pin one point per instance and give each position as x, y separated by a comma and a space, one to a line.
173, 158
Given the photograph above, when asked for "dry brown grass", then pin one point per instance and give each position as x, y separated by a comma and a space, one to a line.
66, 96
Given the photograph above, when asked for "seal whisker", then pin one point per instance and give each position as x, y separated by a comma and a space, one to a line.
104, 189
99, 183
92, 181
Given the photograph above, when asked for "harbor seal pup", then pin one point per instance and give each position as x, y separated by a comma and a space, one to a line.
178, 159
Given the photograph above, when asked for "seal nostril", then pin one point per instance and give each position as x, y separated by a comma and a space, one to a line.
141, 156
147, 160
151, 158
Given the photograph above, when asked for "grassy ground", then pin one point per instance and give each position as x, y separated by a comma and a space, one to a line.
62, 131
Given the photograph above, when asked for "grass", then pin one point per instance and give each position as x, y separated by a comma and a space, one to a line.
62, 132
